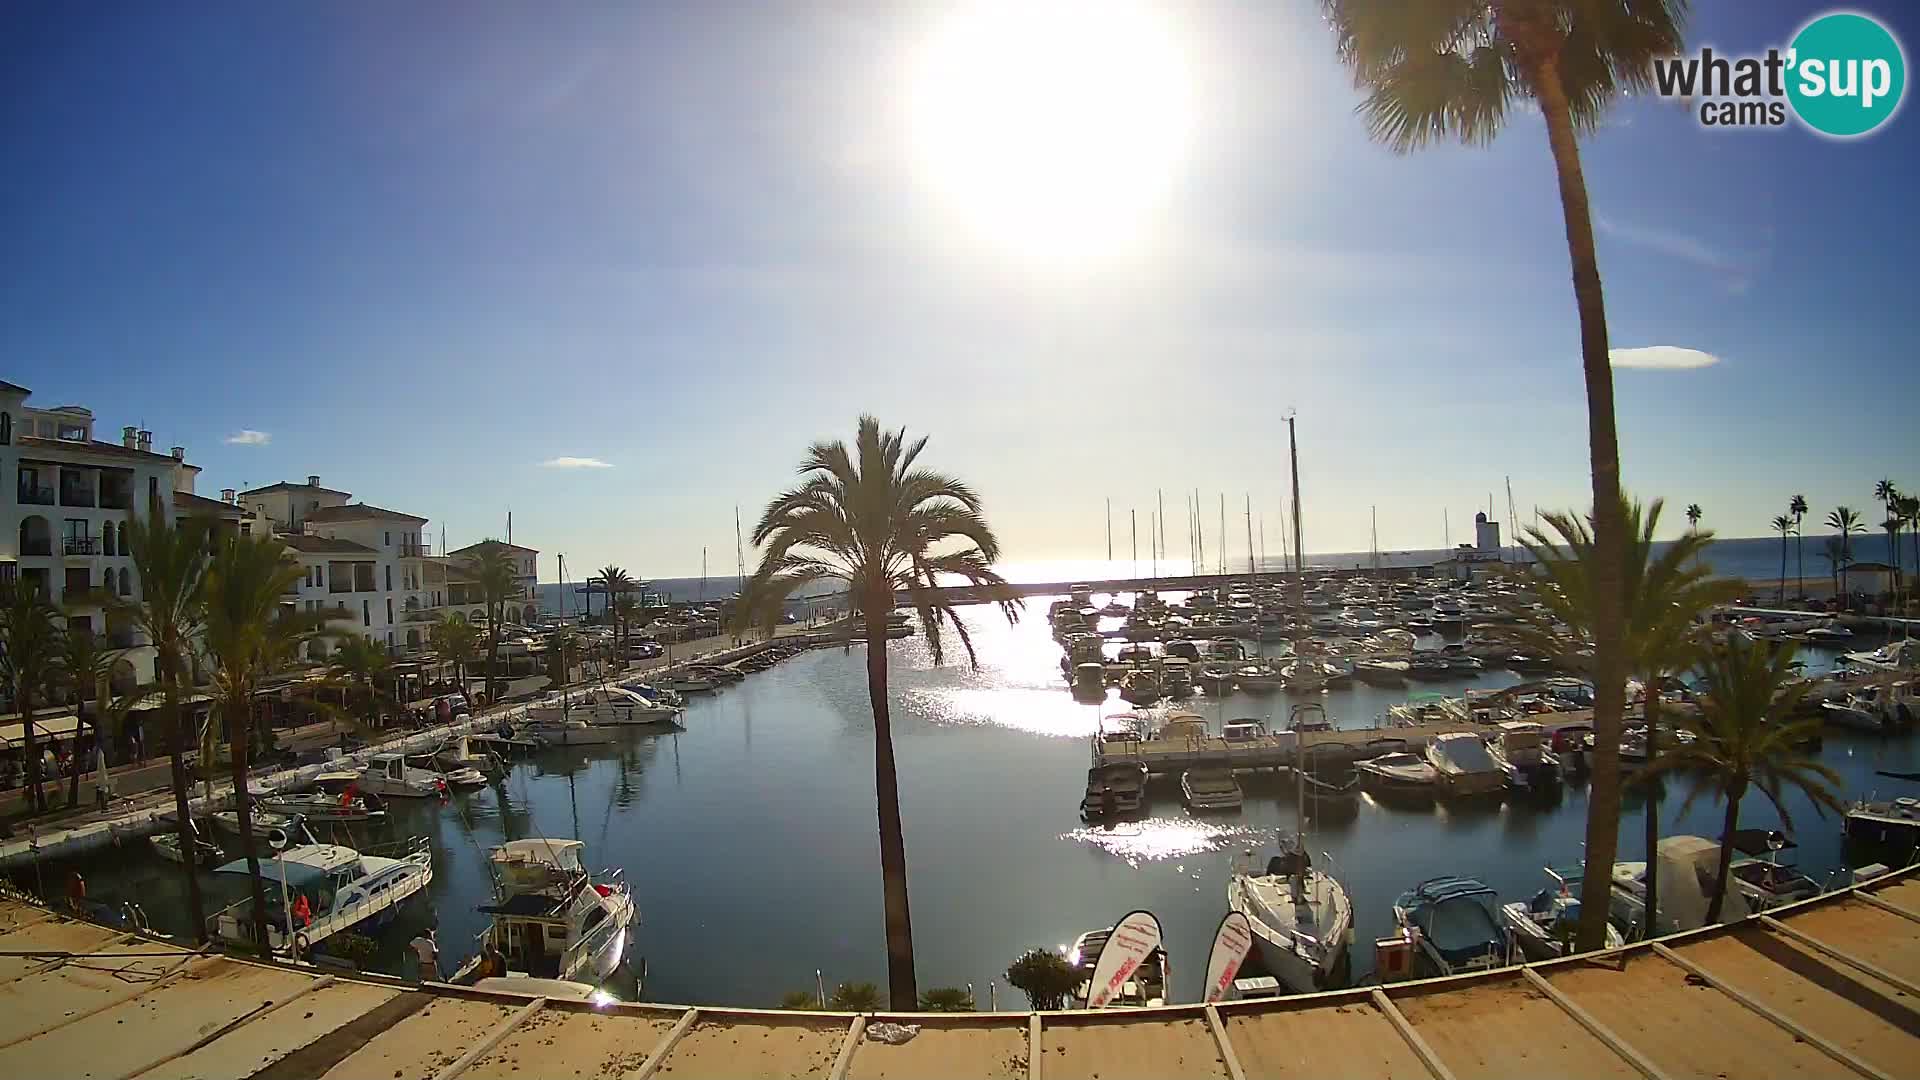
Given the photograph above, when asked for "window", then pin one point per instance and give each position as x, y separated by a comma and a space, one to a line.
6, 428
153, 489
77, 584
389, 618
246, 528
386, 538
389, 578
366, 613
106, 538
126, 582
73, 433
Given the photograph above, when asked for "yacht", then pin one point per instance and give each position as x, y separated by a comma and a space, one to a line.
607, 706
1454, 925
344, 889
389, 774
1518, 747
1463, 766
1300, 915
551, 918
1380, 672
1398, 774
1146, 989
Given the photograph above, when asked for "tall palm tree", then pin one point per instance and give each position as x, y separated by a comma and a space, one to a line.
1693, 515
361, 667
30, 631
1667, 595
1746, 735
867, 516
1783, 525
1846, 521
1798, 508
617, 584
491, 571
1433, 70
1891, 527
170, 561
246, 636
458, 643
1908, 507
1888, 496
1835, 553
86, 669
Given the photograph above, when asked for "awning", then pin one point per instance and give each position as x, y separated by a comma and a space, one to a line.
14, 736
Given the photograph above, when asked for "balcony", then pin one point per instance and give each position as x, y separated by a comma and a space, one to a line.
415, 551
76, 495
32, 495
116, 499
339, 586
81, 545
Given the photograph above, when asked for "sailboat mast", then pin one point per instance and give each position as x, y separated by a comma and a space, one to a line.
1160, 503
1223, 533
563, 584
1299, 547
1263, 538
1109, 535
1250, 569
1513, 526
1133, 530
1375, 536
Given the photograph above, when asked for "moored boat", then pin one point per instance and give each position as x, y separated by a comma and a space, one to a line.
1453, 924
1543, 926
1398, 774
551, 918
1210, 789
1301, 918
342, 889
1114, 790
1463, 766
1147, 988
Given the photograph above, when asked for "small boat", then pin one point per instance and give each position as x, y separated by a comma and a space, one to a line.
1146, 989
344, 889
1398, 774
688, 682
1519, 749
324, 807
1090, 676
275, 828
1463, 766
1300, 915
1380, 672
390, 775
1257, 678
1454, 925
1241, 731
1115, 609
607, 706
459, 753
167, 846
1141, 686
1892, 823
1209, 789
1762, 877
1689, 866
1176, 676
551, 918
1326, 774
1114, 790
1829, 632
554, 733
1875, 708
1544, 926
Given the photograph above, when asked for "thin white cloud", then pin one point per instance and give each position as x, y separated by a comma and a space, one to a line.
576, 463
248, 437
1663, 358
1735, 270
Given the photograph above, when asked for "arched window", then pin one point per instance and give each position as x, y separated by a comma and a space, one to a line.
126, 582
6, 427
106, 538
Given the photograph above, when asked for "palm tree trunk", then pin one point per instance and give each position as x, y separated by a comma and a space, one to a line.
1609, 527
37, 799
1734, 795
176, 759
73, 784
1780, 594
1800, 560
239, 732
901, 989
1653, 804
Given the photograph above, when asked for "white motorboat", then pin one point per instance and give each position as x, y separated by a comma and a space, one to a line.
1209, 789
1900, 656
1875, 707
390, 775
1257, 678
689, 682
343, 889
1689, 866
1519, 749
269, 825
167, 846
552, 919
1462, 764
1544, 925
1302, 920
1398, 774
460, 753
321, 806
464, 776
607, 706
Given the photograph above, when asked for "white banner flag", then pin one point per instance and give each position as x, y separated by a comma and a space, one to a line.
1133, 940
1230, 945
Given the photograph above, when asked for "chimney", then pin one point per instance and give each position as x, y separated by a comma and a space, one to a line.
146, 441
313, 479
229, 496
179, 453
127, 436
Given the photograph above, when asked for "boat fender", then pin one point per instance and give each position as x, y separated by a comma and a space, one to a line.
277, 839
302, 945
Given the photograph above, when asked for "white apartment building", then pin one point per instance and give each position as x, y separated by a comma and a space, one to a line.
466, 601
71, 498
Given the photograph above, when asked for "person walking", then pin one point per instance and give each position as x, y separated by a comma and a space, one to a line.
427, 951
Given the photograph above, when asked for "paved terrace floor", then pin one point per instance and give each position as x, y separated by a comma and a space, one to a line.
1826, 988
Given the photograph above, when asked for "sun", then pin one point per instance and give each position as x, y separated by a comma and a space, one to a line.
1056, 127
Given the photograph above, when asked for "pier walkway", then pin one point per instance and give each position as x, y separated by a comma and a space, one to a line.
1826, 988
1171, 755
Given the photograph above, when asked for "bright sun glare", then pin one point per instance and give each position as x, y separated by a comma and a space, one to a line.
1053, 126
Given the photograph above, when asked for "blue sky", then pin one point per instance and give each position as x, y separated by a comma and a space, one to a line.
427, 247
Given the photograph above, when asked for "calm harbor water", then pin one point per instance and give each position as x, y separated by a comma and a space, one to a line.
750, 841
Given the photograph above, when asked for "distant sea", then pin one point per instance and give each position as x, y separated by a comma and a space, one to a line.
1751, 558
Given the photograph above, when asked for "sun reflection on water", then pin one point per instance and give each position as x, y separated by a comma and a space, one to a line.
1159, 839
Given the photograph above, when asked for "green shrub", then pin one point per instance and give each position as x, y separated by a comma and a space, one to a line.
1045, 977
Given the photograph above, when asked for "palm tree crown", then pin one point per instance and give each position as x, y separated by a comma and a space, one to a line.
870, 518
490, 570
1746, 735
1693, 515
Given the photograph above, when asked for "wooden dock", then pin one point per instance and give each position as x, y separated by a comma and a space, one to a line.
1167, 756
1823, 988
